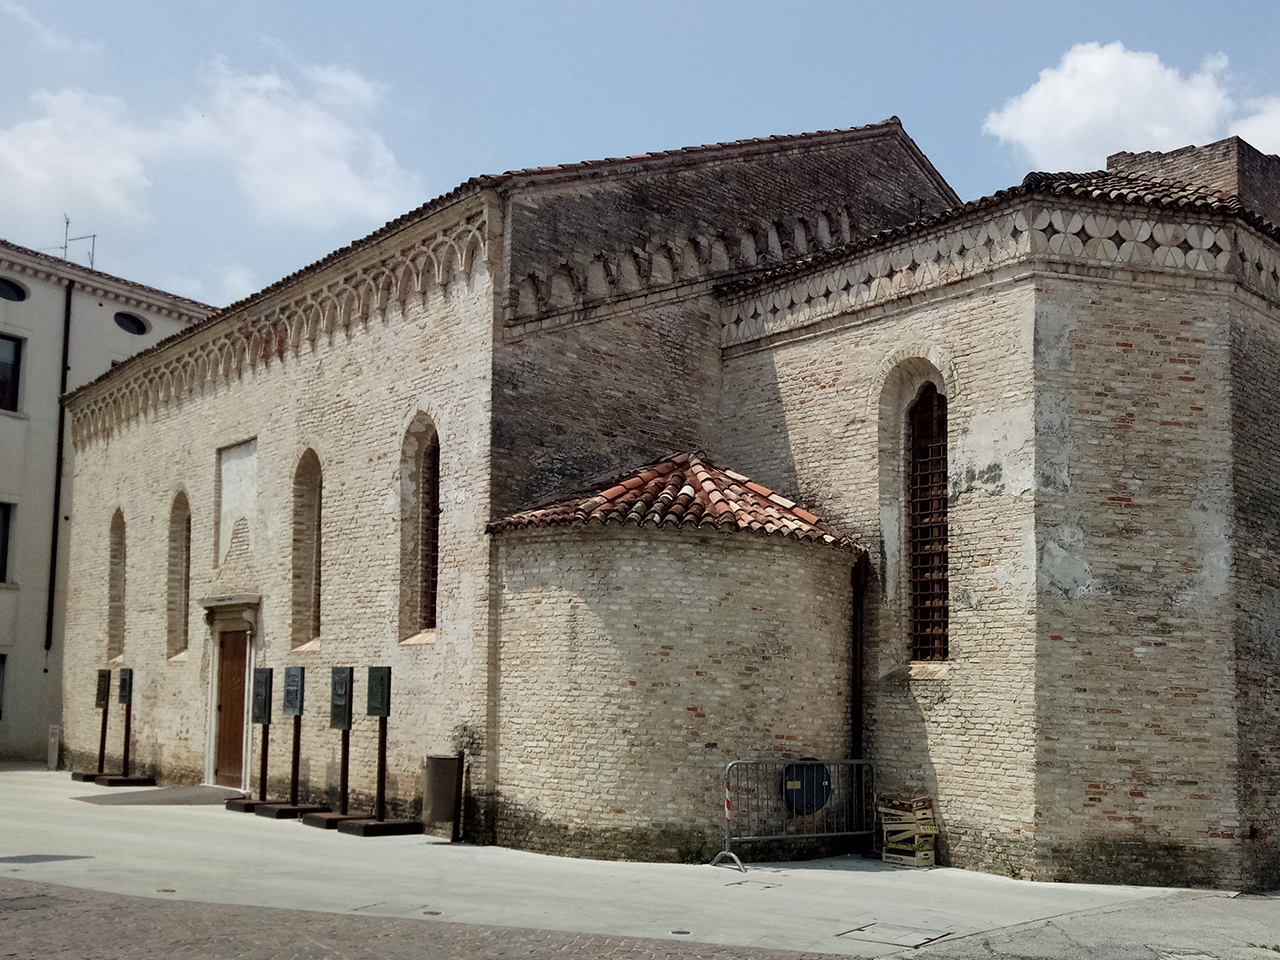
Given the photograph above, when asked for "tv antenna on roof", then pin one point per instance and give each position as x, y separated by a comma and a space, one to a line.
67, 239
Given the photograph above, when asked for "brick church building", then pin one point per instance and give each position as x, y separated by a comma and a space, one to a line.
769, 449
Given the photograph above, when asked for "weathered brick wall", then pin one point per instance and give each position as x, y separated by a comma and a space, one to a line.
1232, 167
634, 664
819, 416
1255, 450
579, 403
610, 355
1136, 691
349, 397
790, 197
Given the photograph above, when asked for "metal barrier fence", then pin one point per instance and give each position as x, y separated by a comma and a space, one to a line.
790, 799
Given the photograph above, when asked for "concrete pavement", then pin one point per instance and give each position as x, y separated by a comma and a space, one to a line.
850, 906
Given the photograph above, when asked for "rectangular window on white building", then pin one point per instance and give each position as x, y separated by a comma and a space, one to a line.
10, 370
6, 522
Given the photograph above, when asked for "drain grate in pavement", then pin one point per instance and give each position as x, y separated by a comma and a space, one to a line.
876, 932
40, 858
38, 902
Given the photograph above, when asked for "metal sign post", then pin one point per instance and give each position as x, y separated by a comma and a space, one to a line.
101, 701
340, 719
294, 688
262, 677
125, 697
340, 701
379, 706
262, 680
294, 691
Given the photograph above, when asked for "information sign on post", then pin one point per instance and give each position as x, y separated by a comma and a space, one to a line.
293, 691
379, 692
126, 686
262, 695
340, 698
104, 690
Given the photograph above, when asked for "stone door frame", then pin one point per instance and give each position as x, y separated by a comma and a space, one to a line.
238, 612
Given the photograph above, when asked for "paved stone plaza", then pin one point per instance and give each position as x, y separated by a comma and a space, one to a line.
115, 880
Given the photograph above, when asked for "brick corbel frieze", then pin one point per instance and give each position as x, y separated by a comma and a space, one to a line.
559, 295
1138, 240
283, 327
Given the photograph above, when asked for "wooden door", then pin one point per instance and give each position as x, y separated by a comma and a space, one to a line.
232, 653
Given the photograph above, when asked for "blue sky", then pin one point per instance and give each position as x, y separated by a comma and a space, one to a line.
215, 147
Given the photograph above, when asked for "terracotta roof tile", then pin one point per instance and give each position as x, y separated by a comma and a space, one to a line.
684, 490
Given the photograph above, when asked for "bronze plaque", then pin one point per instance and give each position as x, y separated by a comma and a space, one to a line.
340, 698
104, 690
379, 692
126, 684
262, 694
294, 687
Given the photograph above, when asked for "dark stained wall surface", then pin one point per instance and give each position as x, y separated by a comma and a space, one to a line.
613, 265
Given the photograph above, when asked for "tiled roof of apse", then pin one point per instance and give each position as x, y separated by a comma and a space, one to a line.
685, 490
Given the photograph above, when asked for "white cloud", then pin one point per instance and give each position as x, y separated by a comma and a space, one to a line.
343, 89
236, 283
46, 36
1103, 99
81, 155
1262, 128
308, 159
295, 158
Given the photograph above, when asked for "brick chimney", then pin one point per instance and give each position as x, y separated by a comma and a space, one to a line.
1228, 168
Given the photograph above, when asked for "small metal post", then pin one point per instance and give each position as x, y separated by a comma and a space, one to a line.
262, 763
342, 775
297, 756
380, 804
102, 742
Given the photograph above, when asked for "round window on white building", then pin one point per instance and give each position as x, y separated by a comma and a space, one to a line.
11, 291
130, 323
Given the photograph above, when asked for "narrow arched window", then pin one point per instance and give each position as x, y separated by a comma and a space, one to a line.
306, 549
927, 523
420, 528
115, 588
179, 574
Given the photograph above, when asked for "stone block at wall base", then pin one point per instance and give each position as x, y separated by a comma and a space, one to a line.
522, 829
964, 844
1141, 861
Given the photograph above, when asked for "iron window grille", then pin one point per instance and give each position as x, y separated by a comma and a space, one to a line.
927, 524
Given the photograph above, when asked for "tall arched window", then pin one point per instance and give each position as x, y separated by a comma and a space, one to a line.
115, 588
927, 523
306, 549
419, 527
179, 578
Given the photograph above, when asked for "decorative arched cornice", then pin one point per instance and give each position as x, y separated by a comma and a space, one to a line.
559, 290
1193, 244
284, 328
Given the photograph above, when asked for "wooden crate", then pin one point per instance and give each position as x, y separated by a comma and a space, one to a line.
922, 858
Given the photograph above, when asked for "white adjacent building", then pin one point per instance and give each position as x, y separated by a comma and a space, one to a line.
61, 325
